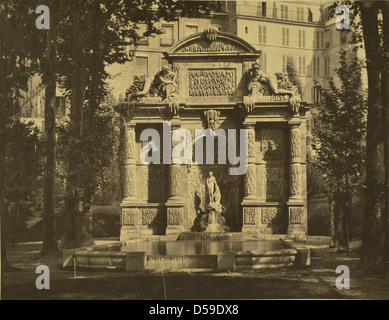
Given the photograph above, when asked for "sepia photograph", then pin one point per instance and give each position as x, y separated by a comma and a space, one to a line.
206, 153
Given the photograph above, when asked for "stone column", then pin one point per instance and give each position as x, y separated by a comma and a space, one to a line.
250, 199
129, 191
296, 210
174, 204
130, 218
250, 181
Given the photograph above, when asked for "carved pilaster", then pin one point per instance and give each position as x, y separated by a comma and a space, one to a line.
295, 172
296, 210
250, 183
129, 188
174, 205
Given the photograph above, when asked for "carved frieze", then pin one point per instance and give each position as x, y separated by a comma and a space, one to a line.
129, 217
271, 215
206, 46
249, 216
149, 216
174, 216
211, 82
296, 215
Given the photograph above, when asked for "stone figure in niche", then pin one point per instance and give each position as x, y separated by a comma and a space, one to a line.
164, 83
216, 221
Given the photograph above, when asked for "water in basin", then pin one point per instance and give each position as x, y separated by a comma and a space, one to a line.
183, 248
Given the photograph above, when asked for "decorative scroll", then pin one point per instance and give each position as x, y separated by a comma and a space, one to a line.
249, 216
129, 181
206, 46
128, 217
296, 215
295, 143
211, 82
250, 181
174, 216
295, 180
149, 216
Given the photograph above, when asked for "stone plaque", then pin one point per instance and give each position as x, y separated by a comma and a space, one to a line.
211, 82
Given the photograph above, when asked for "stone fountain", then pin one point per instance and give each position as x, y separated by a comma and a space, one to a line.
216, 222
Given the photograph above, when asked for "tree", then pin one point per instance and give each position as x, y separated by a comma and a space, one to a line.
341, 129
374, 20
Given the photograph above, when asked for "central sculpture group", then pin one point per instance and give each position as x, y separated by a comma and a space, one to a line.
216, 220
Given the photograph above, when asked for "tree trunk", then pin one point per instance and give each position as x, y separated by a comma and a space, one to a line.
49, 241
78, 231
374, 232
385, 104
2, 163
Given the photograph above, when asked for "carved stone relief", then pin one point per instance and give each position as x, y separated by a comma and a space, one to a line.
296, 215
249, 216
129, 217
211, 82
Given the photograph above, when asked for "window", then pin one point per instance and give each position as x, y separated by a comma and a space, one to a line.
301, 38
285, 37
246, 30
316, 94
263, 9
302, 68
316, 66
141, 66
167, 39
343, 37
287, 62
300, 14
261, 34
327, 69
191, 30
142, 29
284, 12
310, 15
262, 61
319, 40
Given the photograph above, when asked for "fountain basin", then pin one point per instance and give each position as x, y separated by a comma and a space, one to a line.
142, 255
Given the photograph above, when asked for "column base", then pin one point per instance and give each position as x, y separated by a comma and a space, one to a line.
128, 233
297, 232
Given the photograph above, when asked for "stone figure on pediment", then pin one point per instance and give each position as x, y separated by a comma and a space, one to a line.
164, 83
